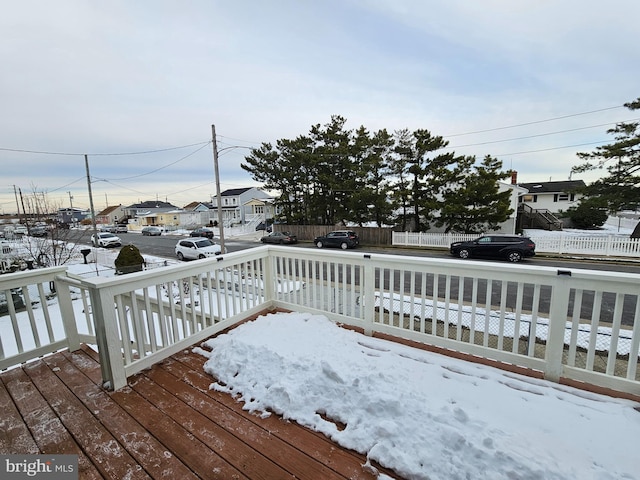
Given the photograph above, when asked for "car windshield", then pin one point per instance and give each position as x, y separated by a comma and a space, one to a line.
204, 243
106, 235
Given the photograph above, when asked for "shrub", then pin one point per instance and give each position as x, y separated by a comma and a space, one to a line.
129, 260
590, 213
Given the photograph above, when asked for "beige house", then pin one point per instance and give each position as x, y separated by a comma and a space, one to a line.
110, 215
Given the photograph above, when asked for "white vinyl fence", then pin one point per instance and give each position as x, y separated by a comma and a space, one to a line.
598, 245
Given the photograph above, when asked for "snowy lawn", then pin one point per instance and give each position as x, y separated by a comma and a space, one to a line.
423, 415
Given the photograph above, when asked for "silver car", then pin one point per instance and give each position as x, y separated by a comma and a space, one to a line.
152, 231
192, 248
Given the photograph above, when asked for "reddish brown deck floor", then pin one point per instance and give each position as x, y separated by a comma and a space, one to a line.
165, 424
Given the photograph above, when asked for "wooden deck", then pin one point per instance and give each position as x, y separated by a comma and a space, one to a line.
165, 424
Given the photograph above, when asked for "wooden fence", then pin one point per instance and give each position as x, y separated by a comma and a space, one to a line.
368, 235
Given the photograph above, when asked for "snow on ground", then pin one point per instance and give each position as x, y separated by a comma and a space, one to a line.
424, 415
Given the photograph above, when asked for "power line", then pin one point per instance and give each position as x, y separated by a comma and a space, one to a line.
538, 135
42, 152
549, 149
163, 167
534, 122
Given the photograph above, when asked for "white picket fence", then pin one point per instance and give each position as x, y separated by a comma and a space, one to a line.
563, 243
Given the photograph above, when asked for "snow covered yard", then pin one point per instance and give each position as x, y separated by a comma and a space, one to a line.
423, 415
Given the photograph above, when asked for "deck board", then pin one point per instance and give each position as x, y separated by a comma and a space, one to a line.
166, 423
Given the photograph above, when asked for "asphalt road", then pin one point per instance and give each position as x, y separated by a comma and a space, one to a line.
163, 246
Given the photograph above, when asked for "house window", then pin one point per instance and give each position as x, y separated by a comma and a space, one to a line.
529, 198
561, 197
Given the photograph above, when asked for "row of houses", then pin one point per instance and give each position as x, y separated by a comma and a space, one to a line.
534, 205
239, 206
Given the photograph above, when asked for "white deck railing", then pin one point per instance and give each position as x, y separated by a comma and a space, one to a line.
577, 324
600, 245
28, 315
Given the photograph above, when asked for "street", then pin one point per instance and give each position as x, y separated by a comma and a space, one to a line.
163, 246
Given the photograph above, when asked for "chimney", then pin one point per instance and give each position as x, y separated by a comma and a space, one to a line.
514, 177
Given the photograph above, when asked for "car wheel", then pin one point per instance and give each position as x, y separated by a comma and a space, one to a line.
319, 244
281, 242
514, 257
201, 255
180, 256
464, 253
344, 245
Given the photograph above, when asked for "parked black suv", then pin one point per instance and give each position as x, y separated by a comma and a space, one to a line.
510, 247
340, 238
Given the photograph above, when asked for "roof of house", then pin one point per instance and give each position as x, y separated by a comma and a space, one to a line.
110, 210
152, 204
235, 191
553, 187
194, 205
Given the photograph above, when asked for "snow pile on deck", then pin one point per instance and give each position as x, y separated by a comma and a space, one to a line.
421, 414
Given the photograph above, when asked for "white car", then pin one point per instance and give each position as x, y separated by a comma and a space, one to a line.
193, 248
105, 239
20, 230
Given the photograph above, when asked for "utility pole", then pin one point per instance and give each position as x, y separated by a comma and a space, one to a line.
218, 194
24, 210
93, 212
15, 194
72, 212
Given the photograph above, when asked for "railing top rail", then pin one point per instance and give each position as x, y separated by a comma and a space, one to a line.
28, 277
154, 276
485, 269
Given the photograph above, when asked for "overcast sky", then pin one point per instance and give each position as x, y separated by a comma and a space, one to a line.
119, 77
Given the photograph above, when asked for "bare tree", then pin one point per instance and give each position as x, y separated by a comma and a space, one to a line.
49, 243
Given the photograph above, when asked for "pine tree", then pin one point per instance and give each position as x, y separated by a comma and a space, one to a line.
476, 204
620, 189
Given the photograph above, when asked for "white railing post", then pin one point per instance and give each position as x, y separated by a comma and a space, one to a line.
270, 278
68, 316
108, 338
557, 326
368, 301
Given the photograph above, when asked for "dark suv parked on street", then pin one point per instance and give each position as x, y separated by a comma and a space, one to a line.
340, 238
510, 247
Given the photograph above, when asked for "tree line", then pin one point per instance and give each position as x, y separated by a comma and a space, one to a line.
333, 176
